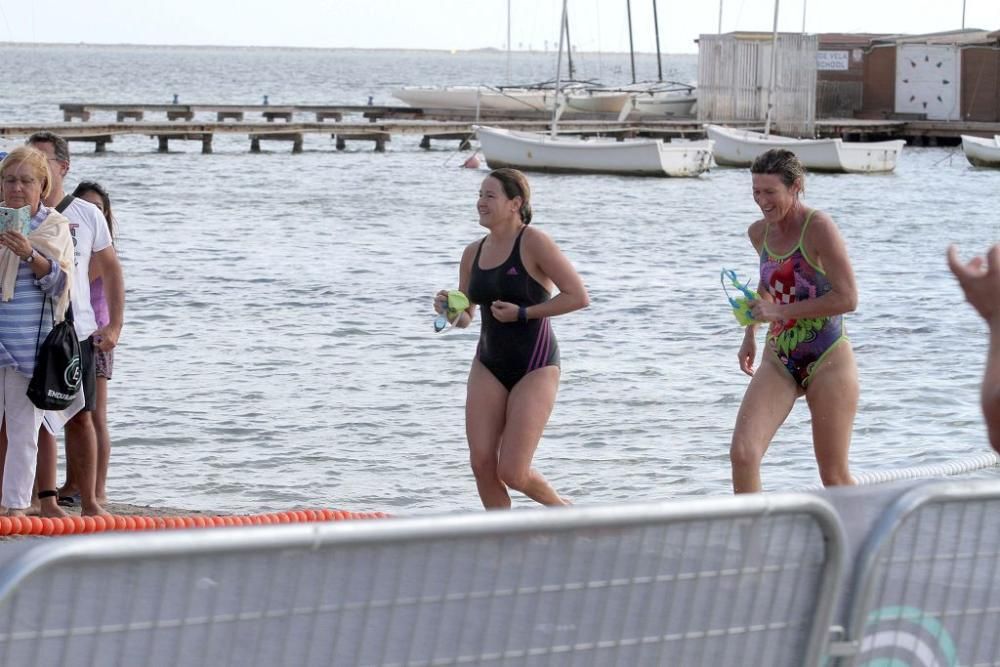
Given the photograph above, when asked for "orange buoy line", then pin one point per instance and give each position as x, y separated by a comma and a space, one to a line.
73, 525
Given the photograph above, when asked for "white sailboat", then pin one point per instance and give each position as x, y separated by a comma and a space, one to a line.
982, 152
476, 97
663, 98
537, 152
530, 151
739, 148
658, 98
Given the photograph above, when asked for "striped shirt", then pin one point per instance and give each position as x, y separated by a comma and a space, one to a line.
20, 331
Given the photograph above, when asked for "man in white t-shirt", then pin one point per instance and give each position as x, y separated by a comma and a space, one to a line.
95, 256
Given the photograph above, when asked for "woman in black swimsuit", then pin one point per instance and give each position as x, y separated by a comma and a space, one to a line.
515, 374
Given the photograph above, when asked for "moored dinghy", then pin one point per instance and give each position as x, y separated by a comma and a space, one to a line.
739, 148
636, 157
982, 152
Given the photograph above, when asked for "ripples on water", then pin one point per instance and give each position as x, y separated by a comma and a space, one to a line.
279, 350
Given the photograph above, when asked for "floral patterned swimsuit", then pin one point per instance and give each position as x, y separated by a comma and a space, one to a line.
800, 344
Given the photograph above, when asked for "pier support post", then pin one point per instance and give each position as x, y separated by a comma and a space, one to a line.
425, 143
206, 144
163, 141
294, 137
100, 140
341, 142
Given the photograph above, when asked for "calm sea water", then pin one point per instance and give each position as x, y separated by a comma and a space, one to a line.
279, 349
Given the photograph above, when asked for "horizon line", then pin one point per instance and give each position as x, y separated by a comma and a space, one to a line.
490, 49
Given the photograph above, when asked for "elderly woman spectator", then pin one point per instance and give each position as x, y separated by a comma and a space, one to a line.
33, 266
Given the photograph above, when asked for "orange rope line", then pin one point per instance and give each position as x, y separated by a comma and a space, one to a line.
73, 525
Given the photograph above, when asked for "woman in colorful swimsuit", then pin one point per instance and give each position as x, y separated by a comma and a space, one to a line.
806, 285
512, 385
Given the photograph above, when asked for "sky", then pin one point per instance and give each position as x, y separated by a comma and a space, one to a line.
595, 25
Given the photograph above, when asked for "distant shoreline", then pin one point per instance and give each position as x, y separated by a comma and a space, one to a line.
196, 47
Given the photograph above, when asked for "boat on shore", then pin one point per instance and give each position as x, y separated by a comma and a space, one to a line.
663, 98
473, 97
579, 97
981, 152
739, 148
531, 151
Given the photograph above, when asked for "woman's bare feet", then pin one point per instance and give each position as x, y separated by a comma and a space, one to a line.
88, 509
50, 508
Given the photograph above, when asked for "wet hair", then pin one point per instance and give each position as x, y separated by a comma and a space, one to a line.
515, 184
59, 145
93, 186
35, 160
782, 163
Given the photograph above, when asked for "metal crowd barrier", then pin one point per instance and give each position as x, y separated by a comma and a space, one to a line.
720, 581
927, 590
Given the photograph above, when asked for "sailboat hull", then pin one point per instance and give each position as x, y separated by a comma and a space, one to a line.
739, 148
982, 152
644, 157
469, 97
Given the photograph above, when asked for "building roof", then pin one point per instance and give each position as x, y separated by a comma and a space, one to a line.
967, 37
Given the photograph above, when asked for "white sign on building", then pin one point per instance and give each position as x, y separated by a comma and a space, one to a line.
832, 60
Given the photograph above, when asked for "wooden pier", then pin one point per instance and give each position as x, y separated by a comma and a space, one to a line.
379, 124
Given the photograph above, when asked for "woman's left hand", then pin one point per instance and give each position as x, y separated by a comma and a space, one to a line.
763, 310
504, 311
16, 242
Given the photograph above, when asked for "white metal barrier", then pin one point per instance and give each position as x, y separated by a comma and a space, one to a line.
721, 581
927, 588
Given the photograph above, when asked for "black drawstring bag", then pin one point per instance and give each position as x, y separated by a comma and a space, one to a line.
57, 375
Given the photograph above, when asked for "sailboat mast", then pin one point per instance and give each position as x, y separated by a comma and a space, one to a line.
555, 102
508, 42
659, 61
631, 46
774, 63
569, 47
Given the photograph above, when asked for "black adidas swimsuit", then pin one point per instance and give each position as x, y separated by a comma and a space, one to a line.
511, 350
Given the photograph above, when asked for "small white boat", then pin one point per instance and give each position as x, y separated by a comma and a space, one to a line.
596, 100
663, 98
471, 97
738, 148
637, 157
982, 152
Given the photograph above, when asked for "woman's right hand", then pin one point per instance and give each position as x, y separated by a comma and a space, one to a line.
441, 301
748, 352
